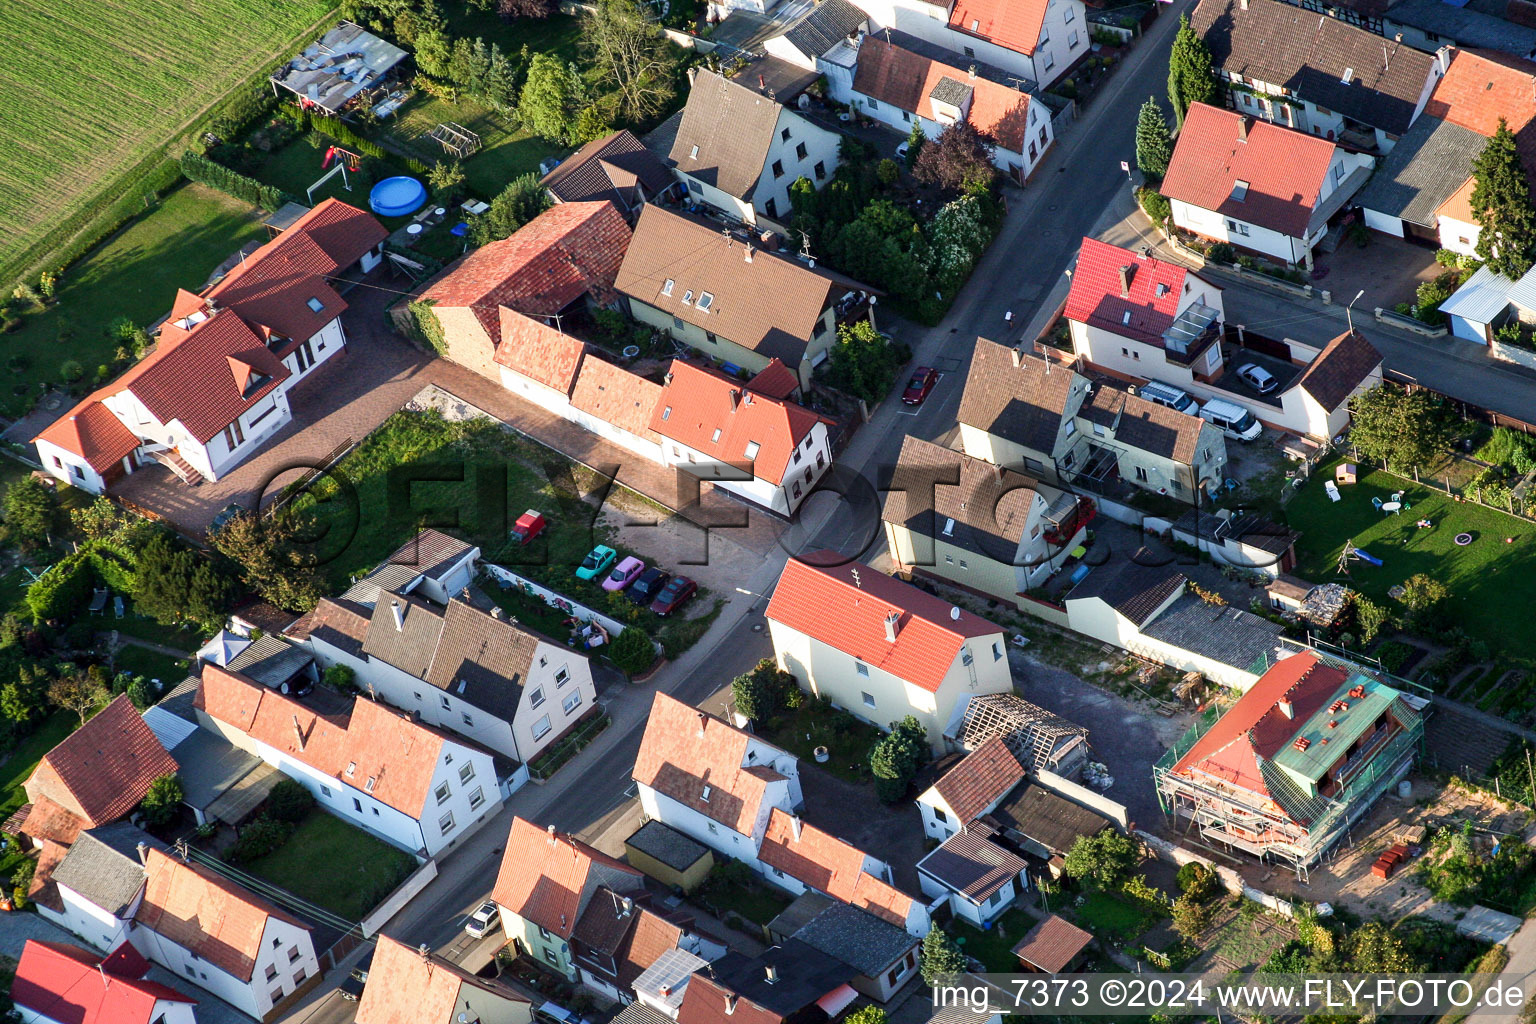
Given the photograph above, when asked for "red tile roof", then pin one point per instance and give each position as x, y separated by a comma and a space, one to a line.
410, 987
774, 380
1284, 169
616, 396
375, 748
103, 769
44, 890
545, 875
1014, 24
206, 913
697, 404
707, 1002
981, 778
536, 350
830, 865
71, 985
1051, 944
565, 252
685, 751
48, 822
1152, 301
91, 431
906, 80
1479, 88
844, 605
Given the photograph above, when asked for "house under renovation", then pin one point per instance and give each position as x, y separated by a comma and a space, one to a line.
1039, 740
1298, 759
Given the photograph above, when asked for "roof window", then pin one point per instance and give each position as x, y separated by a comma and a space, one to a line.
693, 154
752, 449
716, 435
1125, 317
688, 296
666, 289
351, 768
666, 412
368, 786
1239, 190
1162, 289
706, 299
315, 304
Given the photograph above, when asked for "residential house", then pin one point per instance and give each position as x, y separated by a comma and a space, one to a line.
1054, 946
764, 450
710, 781
1022, 412
791, 983
1499, 25
738, 151
537, 361
216, 387
880, 648
668, 856
616, 168
660, 989
1317, 75
885, 955
378, 768
896, 82
815, 32
970, 789
735, 303
1416, 181
979, 878
416, 986
455, 666
617, 406
1300, 756
544, 886
95, 888
1257, 186
620, 936
198, 924
567, 254
1040, 40
1490, 303
977, 526
56, 983
94, 776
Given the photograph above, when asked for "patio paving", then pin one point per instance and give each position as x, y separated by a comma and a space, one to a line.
1389, 270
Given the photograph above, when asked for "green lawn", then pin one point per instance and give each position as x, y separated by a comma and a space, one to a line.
135, 274
848, 740
1492, 584
1107, 915
18, 766
336, 866
506, 151
152, 665
753, 900
994, 947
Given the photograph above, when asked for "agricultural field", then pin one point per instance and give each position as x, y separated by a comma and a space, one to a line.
91, 89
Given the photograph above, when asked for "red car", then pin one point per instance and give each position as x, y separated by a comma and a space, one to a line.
528, 526
674, 595
922, 382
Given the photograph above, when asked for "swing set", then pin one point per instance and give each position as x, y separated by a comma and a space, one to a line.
346, 161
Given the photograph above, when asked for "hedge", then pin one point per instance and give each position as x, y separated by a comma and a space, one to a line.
63, 590
201, 169
337, 129
113, 567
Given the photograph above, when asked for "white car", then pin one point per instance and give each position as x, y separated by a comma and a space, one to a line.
482, 921
1258, 378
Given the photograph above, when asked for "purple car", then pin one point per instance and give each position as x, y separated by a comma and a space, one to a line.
624, 574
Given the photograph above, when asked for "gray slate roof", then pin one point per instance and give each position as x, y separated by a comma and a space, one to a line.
951, 91
857, 938
667, 845
732, 127
1225, 634
1134, 588
210, 765
1050, 820
1424, 169
271, 660
1465, 26
827, 24
178, 700
103, 865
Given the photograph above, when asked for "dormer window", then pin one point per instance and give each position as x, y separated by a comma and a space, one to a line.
666, 289
351, 768
706, 299
314, 304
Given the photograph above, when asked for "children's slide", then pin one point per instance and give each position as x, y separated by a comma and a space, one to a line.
1366, 556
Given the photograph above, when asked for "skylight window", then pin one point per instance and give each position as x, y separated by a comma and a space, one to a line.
752, 449
706, 299
315, 304
666, 412
688, 296
1125, 317
666, 289
694, 153
716, 435
369, 785
1162, 289
351, 767
1239, 190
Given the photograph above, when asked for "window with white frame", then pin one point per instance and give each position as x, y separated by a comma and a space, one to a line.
467, 772
541, 728
445, 823
572, 701
443, 792
536, 697
868, 698
861, 668
476, 798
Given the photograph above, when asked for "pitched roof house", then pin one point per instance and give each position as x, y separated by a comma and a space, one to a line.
881, 648
1258, 186
569, 252
616, 168
409, 986
1426, 168
92, 887
791, 983
815, 32
1052, 946
799, 856
215, 386
65, 984
1035, 40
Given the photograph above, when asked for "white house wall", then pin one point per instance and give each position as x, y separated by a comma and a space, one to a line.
1065, 27
89, 922
542, 395
1093, 617
577, 688
1215, 225
256, 996
692, 823
69, 467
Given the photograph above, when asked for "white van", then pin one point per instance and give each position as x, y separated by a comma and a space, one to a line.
1233, 419
1167, 394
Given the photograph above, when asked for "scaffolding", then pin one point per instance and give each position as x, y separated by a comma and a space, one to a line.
455, 139
1039, 739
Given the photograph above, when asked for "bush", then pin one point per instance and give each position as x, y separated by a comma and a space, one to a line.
1197, 881
1221, 252
163, 801
1393, 655
203, 170
70, 371
632, 651
290, 802
340, 677
260, 838
1154, 204
1432, 293
1447, 258
762, 692
61, 592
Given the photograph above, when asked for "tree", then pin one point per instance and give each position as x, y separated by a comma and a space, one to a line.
551, 96
522, 200
1501, 205
589, 125
866, 1015
1373, 949
266, 554
1370, 617
1190, 917
760, 693
80, 692
1154, 145
447, 180
289, 801
915, 141
626, 45
1398, 428
941, 955
1191, 71
863, 362
631, 651
101, 518
1102, 861
25, 696
509, 10
163, 801
897, 757
31, 509
340, 677
960, 160
1197, 881
173, 584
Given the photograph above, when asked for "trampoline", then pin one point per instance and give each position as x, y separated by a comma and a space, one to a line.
1461, 540
397, 197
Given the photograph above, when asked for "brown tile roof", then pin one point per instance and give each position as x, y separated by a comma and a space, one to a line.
982, 778
635, 938
484, 658
341, 624
614, 395
410, 987
1051, 944
1013, 24
772, 304
374, 746
1024, 404
845, 605
538, 351
206, 913
830, 865
610, 168
707, 1002
906, 80
91, 431
1280, 44
969, 862
1145, 425
46, 820
1343, 365
103, 769
931, 485
569, 250
651, 936
1284, 169
431, 551
713, 414
685, 750
732, 128
1135, 587
547, 877
44, 889
1480, 87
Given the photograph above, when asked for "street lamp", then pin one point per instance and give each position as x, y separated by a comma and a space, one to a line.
1349, 310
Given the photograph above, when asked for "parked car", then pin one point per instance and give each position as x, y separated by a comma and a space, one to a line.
596, 563
528, 526
352, 985
483, 921
1258, 378
647, 585
227, 513
901, 150
922, 382
674, 595
624, 574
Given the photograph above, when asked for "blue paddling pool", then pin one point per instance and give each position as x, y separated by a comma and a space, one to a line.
397, 197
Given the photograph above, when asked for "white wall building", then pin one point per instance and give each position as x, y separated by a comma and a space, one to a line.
1039, 40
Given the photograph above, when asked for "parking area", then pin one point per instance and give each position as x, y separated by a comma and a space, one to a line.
1388, 270
1233, 358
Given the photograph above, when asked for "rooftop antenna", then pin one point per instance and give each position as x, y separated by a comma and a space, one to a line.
856, 579
1349, 310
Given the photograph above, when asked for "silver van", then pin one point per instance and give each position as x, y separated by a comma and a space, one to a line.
1167, 394
1233, 419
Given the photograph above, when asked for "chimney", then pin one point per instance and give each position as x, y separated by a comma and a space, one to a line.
143, 849
691, 73
794, 823
730, 1003
761, 84
771, 974
747, 252
735, 399
1242, 129
629, 906
972, 72
399, 614
297, 731
496, 612
1126, 273
1017, 358
1242, 4
701, 723
551, 831
1286, 709
891, 619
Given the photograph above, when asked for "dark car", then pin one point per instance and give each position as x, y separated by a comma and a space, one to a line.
352, 985
674, 595
647, 585
922, 382
227, 513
